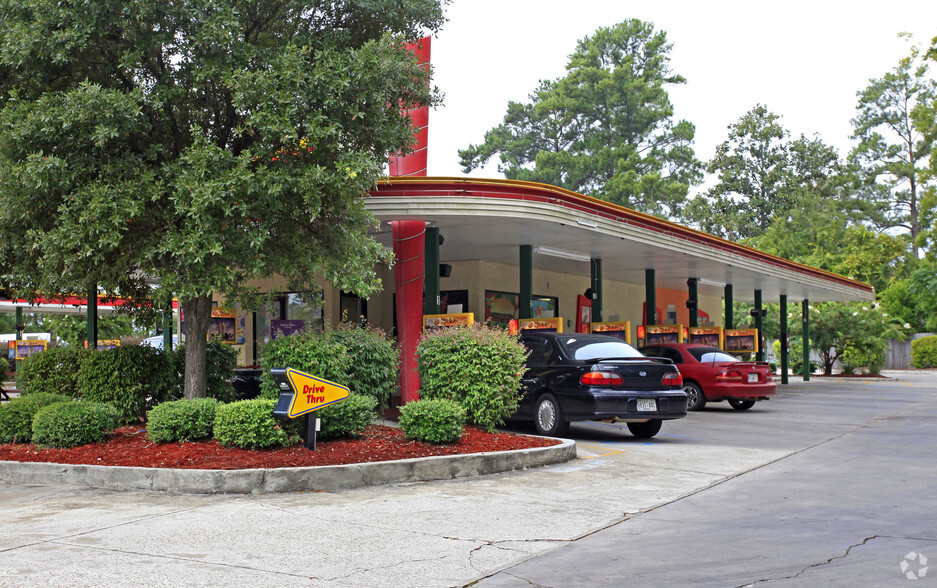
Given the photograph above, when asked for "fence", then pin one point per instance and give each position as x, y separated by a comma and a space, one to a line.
898, 356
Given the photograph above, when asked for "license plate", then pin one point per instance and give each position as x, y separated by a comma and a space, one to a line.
752, 378
647, 405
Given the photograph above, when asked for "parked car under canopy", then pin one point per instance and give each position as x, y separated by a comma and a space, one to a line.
581, 377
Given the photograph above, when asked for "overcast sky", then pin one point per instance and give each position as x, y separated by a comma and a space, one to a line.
804, 60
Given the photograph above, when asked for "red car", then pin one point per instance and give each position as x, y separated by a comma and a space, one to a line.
710, 375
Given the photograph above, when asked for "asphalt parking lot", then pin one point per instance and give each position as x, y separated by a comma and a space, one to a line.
492, 529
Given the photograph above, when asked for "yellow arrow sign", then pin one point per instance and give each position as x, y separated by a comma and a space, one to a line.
311, 393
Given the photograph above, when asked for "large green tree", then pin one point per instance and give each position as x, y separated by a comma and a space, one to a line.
605, 129
754, 178
895, 143
205, 143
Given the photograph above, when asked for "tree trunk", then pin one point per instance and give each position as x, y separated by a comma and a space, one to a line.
197, 320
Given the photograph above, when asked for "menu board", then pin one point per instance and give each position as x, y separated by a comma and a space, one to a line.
25, 348
620, 329
712, 336
434, 322
741, 340
553, 325
657, 334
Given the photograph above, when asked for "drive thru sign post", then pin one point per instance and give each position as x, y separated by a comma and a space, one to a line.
301, 394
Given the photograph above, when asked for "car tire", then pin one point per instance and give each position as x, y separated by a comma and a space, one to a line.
741, 404
548, 417
645, 430
695, 399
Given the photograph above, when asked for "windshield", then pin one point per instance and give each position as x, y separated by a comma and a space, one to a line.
585, 348
711, 355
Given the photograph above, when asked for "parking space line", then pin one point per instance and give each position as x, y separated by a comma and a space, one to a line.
606, 451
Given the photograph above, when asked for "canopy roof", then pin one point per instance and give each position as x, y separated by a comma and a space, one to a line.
489, 219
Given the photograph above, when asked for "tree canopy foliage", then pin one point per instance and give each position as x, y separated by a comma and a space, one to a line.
897, 134
605, 129
202, 143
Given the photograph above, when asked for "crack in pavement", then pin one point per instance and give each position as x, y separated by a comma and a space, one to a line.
816, 565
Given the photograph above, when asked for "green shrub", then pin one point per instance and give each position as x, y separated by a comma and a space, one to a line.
434, 421
348, 417
220, 362
55, 370
478, 367
313, 353
250, 424
16, 416
181, 420
77, 422
4, 368
924, 352
131, 379
868, 354
374, 370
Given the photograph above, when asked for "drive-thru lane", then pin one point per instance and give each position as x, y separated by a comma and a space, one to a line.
695, 504
852, 503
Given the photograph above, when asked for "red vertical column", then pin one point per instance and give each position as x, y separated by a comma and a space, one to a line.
414, 164
409, 247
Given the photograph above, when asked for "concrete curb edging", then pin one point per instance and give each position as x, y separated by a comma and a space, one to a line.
304, 479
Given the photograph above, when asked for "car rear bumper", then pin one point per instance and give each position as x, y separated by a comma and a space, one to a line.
603, 405
727, 391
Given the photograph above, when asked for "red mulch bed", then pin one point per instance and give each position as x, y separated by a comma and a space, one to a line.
129, 446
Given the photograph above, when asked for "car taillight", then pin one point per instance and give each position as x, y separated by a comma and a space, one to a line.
729, 377
674, 379
601, 378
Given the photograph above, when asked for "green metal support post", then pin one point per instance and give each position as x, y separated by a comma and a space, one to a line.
806, 324
759, 326
693, 301
431, 271
525, 305
20, 326
167, 327
650, 296
784, 350
729, 322
92, 310
596, 290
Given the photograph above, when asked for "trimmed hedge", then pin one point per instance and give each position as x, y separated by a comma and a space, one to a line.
55, 370
132, 379
313, 353
181, 420
924, 352
345, 418
478, 367
16, 416
249, 424
374, 370
76, 422
433, 421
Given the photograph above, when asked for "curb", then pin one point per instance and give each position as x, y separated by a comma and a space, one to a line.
305, 479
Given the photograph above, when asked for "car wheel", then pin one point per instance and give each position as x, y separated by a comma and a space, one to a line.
695, 400
645, 430
548, 417
741, 404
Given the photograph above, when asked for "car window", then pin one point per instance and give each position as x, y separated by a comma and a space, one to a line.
583, 349
540, 351
672, 354
710, 355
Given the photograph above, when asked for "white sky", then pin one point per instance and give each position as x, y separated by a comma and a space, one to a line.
804, 60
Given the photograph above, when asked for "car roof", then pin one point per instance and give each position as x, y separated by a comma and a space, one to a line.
682, 345
582, 336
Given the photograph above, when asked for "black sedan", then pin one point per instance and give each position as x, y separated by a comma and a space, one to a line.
578, 377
